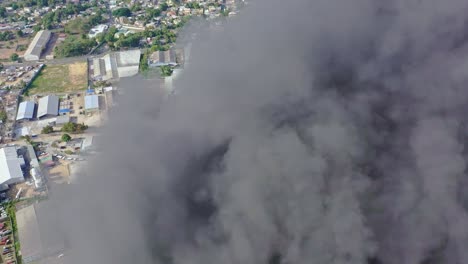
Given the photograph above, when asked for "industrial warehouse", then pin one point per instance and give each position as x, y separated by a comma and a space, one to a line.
37, 46
116, 65
11, 166
26, 110
48, 106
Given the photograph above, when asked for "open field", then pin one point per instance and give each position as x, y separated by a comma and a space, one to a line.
60, 79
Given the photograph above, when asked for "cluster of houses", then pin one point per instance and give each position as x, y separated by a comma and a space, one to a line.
18, 77
175, 12
34, 13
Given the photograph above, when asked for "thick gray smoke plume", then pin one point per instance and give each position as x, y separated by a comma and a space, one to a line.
306, 131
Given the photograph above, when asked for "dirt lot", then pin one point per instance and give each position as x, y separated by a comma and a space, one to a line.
7, 48
61, 79
91, 119
59, 174
28, 191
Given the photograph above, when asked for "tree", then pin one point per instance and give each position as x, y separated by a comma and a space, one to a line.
66, 138
36, 28
144, 61
74, 46
27, 139
19, 33
122, 12
47, 130
14, 57
131, 40
3, 116
164, 7
7, 35
3, 12
192, 5
74, 128
166, 71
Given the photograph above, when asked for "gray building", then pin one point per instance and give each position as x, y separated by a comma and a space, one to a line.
116, 65
25, 110
37, 46
48, 106
162, 58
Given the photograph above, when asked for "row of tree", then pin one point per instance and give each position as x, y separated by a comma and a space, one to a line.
69, 127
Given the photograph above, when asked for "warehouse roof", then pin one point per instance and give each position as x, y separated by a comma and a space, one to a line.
91, 102
128, 58
25, 110
38, 43
10, 165
48, 105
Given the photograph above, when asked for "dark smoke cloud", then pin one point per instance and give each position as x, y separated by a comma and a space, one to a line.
305, 131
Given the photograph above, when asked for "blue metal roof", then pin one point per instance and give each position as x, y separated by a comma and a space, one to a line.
65, 110
91, 102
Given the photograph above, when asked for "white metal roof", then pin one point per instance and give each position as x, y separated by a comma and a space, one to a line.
128, 58
48, 105
10, 165
25, 110
91, 102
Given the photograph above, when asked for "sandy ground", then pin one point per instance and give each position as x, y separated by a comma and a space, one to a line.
77, 71
28, 191
59, 174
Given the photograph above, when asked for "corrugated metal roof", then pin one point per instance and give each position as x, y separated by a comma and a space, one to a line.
25, 110
10, 165
91, 102
38, 43
48, 105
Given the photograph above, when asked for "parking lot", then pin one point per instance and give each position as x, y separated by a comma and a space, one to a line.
7, 242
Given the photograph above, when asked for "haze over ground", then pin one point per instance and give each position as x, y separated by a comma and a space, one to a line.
307, 131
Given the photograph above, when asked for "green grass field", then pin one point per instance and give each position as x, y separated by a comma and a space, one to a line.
60, 79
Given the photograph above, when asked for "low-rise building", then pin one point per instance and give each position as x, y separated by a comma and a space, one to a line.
25, 110
116, 65
37, 46
96, 30
48, 106
162, 58
10, 166
91, 102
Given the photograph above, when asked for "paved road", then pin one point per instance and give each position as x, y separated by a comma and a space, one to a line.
50, 62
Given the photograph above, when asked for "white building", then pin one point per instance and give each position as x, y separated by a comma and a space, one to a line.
116, 65
36, 175
96, 30
128, 63
25, 110
10, 166
48, 106
37, 46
